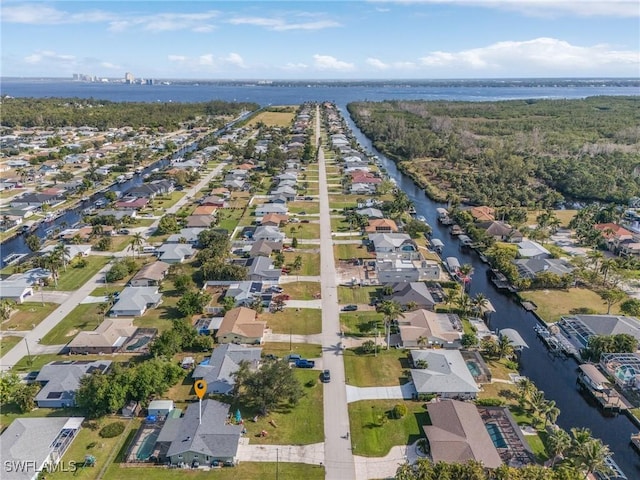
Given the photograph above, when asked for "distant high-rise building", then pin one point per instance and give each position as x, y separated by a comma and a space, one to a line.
129, 78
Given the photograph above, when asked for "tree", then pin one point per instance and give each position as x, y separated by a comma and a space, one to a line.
228, 302
587, 453
24, 397
278, 259
611, 297
274, 384
558, 444
469, 340
6, 307
391, 311
294, 242
183, 283
9, 383
631, 307
168, 224
33, 242
137, 241
193, 303
505, 347
297, 263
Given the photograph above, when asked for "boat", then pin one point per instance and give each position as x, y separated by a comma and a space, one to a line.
452, 265
455, 230
13, 258
635, 441
28, 227
412, 210
139, 170
121, 179
465, 241
421, 218
437, 245
128, 175
49, 217
615, 472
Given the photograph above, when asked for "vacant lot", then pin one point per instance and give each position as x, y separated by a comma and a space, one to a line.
302, 290
274, 118
552, 304
304, 321
387, 368
310, 263
350, 251
362, 323
244, 470
27, 315
282, 349
357, 295
75, 276
306, 231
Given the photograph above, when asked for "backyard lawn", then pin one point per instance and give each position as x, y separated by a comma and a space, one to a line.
7, 343
362, 324
228, 218
357, 295
161, 203
384, 370
310, 263
342, 201
304, 321
552, 304
374, 430
302, 290
304, 206
564, 216
74, 277
303, 230
28, 315
83, 317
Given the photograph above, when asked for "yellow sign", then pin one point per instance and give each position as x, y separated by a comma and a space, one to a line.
201, 388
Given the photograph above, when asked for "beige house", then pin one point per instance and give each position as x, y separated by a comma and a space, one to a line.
108, 337
241, 325
457, 434
150, 275
424, 328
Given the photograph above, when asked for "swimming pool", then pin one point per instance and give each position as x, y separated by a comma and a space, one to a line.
496, 435
474, 368
146, 447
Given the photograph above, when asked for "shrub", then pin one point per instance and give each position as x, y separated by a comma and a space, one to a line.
400, 410
112, 430
91, 445
490, 402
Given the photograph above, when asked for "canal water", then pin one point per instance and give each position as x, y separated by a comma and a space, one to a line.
555, 375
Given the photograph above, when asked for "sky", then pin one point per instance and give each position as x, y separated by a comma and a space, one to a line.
365, 39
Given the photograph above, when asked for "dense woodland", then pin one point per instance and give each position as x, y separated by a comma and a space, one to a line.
512, 153
103, 114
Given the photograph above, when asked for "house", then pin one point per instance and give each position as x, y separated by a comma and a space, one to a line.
289, 193
264, 248
186, 235
261, 269
531, 267
71, 250
266, 208
132, 203
244, 293
175, 252
614, 234
151, 190
199, 221
444, 373
15, 290
241, 325
107, 338
274, 220
500, 231
370, 212
392, 243
381, 225
457, 434
624, 368
424, 328
391, 269
531, 249
61, 379
119, 214
30, 446
412, 293
209, 210
235, 184
581, 327
268, 233
160, 408
214, 201
134, 301
482, 213
36, 200
225, 360
150, 274
221, 192
194, 442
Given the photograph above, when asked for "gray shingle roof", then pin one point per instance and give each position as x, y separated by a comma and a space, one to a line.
225, 361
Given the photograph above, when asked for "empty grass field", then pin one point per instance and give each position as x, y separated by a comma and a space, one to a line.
84, 317
552, 304
362, 323
274, 118
357, 295
302, 290
304, 321
27, 315
387, 368
75, 276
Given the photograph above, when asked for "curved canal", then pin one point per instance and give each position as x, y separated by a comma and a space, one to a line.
555, 375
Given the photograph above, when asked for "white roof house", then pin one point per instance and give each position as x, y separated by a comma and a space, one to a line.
446, 374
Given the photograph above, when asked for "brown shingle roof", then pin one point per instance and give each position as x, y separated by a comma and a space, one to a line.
152, 271
241, 321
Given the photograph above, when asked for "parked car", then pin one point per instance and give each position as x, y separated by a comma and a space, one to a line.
304, 363
325, 376
350, 308
302, 213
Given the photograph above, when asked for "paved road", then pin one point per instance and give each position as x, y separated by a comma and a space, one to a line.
44, 327
339, 462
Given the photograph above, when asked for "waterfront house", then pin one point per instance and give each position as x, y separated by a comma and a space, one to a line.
442, 372
457, 434
427, 329
370, 212
500, 231
219, 371
392, 268
581, 327
61, 379
531, 249
412, 293
241, 325
531, 267
383, 243
381, 225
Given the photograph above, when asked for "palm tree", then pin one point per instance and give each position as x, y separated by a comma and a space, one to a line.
6, 307
558, 444
505, 346
591, 456
537, 403
606, 266
391, 311
63, 253
550, 412
464, 273
422, 342
136, 241
526, 388
479, 303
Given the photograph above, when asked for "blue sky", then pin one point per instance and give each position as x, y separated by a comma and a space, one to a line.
377, 39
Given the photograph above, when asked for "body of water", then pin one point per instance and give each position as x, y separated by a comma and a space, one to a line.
556, 376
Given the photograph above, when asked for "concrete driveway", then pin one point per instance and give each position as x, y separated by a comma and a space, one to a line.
303, 304
406, 391
312, 454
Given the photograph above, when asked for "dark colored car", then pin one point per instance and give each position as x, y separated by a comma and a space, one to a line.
350, 308
304, 363
326, 376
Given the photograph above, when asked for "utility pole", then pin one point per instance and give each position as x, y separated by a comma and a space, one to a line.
277, 464
375, 347
28, 352
290, 338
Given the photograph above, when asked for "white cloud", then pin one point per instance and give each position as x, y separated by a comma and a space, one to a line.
208, 60
281, 25
38, 14
235, 59
380, 65
167, 22
110, 66
295, 66
176, 58
587, 8
48, 56
543, 55
327, 62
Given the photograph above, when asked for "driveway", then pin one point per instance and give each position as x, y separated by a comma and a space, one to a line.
285, 337
303, 304
406, 391
48, 296
385, 467
312, 454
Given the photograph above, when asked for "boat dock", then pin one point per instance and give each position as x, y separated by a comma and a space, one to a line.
556, 341
500, 281
635, 441
593, 382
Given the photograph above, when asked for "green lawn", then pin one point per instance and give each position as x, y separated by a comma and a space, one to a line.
374, 432
552, 304
282, 349
300, 425
28, 315
304, 206
310, 263
161, 203
303, 230
342, 201
10, 412
388, 368
83, 317
228, 218
7, 343
302, 290
75, 277
305, 321
162, 316
357, 295
245, 470
362, 324
349, 251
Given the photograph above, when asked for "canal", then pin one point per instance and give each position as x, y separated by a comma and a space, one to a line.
555, 375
